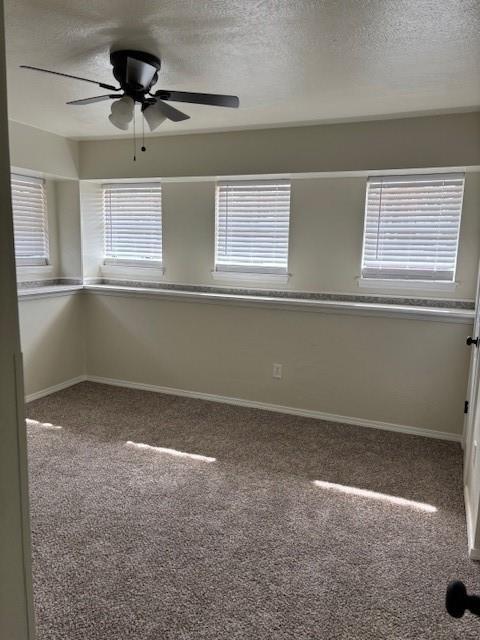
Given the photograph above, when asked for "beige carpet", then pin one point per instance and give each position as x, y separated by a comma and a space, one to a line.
139, 543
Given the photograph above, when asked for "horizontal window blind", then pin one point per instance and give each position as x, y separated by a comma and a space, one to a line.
412, 226
133, 222
29, 208
252, 226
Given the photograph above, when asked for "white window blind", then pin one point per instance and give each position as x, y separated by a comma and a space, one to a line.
412, 225
29, 220
252, 226
133, 223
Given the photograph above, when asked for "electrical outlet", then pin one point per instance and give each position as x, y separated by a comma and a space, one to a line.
277, 371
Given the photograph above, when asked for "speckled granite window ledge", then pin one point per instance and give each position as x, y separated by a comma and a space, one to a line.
293, 295
36, 286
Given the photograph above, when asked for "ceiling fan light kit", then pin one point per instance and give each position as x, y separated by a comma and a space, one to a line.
118, 123
137, 72
154, 117
122, 112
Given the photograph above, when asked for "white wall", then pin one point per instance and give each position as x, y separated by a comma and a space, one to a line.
52, 340
408, 372
325, 239
347, 365
54, 158
42, 152
69, 228
435, 141
91, 229
326, 230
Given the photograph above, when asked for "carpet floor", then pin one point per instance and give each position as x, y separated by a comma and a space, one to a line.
246, 542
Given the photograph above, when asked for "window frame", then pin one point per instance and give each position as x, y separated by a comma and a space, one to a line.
139, 263
33, 261
252, 271
405, 277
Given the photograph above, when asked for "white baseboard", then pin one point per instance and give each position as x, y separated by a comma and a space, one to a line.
308, 413
54, 388
253, 404
473, 552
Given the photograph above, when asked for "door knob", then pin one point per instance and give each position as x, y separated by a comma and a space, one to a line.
458, 601
471, 341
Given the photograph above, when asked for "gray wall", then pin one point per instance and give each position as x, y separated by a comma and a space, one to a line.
326, 231
52, 336
43, 152
435, 141
407, 372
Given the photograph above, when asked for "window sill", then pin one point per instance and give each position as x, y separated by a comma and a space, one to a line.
239, 277
408, 312
49, 291
406, 285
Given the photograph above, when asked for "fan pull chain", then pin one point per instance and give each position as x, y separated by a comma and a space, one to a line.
144, 148
134, 138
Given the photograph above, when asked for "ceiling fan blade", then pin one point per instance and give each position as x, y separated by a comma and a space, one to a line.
213, 99
170, 112
139, 74
67, 75
109, 96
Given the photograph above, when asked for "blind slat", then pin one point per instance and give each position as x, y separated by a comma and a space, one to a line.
133, 221
29, 208
412, 226
252, 225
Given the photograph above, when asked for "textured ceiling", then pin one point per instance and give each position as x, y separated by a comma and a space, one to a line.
290, 61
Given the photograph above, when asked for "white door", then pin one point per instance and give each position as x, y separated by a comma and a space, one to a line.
473, 343
471, 432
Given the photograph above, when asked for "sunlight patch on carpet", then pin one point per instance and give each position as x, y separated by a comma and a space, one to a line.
384, 497
44, 425
171, 452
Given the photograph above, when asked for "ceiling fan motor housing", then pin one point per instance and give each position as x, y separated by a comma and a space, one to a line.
134, 87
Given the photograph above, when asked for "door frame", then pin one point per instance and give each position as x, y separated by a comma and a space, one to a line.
16, 601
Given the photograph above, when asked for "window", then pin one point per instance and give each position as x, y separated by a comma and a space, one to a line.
29, 207
412, 225
133, 224
252, 226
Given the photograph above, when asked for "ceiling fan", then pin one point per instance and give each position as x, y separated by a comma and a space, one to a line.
136, 72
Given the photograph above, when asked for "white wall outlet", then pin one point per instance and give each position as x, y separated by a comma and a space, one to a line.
277, 371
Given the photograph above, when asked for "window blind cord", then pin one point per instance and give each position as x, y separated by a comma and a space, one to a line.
378, 225
110, 227
442, 212
227, 235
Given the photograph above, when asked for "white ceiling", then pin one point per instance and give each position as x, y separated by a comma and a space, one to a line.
289, 61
